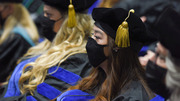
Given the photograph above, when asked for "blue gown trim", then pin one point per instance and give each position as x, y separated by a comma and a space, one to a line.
48, 91
75, 95
30, 98
13, 87
94, 6
158, 98
64, 75
21, 31
61, 74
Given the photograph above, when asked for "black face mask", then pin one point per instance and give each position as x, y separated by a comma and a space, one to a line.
47, 28
95, 52
155, 76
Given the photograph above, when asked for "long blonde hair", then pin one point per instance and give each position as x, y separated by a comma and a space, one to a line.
20, 16
68, 41
38, 49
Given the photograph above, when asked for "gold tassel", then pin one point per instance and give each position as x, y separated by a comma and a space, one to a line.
71, 15
122, 34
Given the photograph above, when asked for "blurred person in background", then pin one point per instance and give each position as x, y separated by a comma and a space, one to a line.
17, 34
149, 11
163, 70
60, 60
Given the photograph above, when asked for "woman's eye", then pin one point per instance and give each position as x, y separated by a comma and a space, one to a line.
97, 37
49, 15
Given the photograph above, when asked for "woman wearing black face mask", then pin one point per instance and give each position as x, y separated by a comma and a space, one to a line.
57, 63
155, 75
112, 50
52, 20
166, 85
17, 34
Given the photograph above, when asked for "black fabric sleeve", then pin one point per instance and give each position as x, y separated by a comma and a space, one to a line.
10, 51
133, 92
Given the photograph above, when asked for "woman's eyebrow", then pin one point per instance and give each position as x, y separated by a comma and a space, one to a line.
97, 31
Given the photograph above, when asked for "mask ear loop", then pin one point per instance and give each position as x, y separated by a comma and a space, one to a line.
59, 18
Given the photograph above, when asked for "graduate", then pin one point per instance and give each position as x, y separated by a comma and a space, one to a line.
163, 70
113, 52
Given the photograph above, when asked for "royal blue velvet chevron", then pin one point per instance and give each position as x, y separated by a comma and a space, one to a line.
75, 95
158, 98
30, 98
48, 91
64, 75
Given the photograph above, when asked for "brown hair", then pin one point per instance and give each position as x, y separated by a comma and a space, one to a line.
108, 3
123, 67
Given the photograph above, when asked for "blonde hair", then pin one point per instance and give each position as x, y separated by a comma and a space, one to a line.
68, 41
20, 16
173, 77
38, 49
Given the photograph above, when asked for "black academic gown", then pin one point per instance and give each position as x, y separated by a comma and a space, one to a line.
70, 71
132, 92
10, 51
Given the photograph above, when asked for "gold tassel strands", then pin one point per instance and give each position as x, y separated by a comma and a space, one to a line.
122, 34
71, 15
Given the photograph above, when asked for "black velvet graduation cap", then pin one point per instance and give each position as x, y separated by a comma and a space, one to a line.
168, 30
110, 19
79, 5
11, 1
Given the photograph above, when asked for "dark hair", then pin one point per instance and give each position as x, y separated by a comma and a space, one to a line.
123, 67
